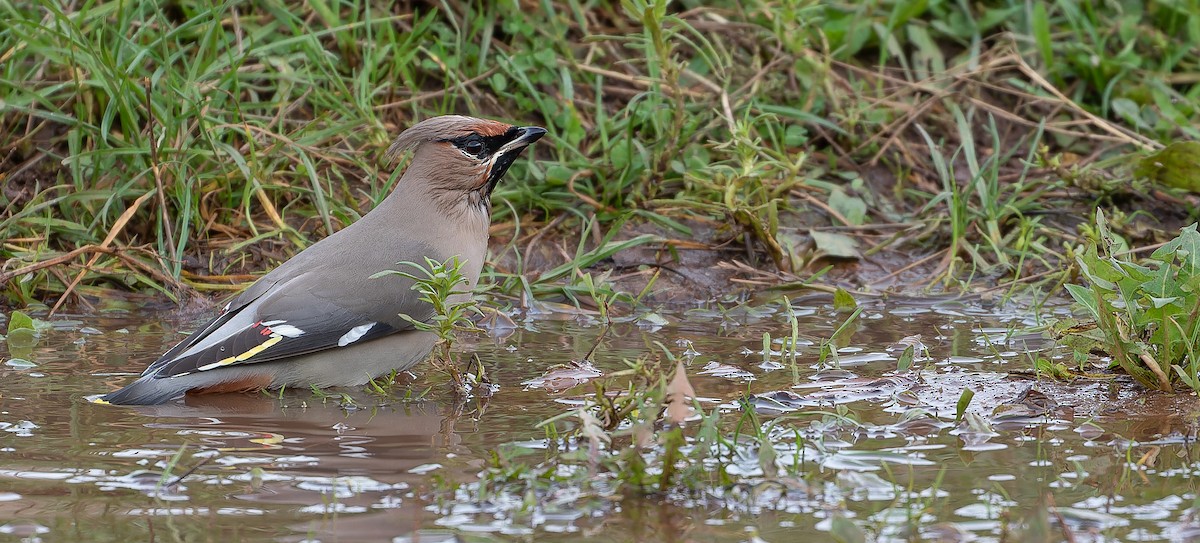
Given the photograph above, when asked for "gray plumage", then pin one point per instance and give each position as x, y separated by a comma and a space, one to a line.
319, 319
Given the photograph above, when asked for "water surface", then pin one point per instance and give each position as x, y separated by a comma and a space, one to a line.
1108, 462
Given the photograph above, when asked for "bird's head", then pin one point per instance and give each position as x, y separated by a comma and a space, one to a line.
462, 158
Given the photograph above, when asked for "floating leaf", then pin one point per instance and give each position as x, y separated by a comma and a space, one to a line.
872, 460
717, 369
780, 401
975, 432
839, 391
19, 363
1031, 405
652, 320
1178, 165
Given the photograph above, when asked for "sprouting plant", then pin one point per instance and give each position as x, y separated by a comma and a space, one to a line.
793, 340
840, 338
444, 287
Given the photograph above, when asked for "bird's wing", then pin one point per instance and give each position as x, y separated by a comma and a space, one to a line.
229, 312
286, 321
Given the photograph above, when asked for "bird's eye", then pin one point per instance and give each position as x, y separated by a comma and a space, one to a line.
473, 147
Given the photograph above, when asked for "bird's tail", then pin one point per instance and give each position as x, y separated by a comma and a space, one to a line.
145, 391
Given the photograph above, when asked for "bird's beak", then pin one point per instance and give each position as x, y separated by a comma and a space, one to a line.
528, 135
507, 154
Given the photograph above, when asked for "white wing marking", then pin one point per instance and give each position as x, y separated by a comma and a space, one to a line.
354, 334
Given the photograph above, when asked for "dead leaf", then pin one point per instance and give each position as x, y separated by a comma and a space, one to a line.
975, 432
1030, 406
497, 324
562, 377
905, 342
1150, 457
679, 391
717, 369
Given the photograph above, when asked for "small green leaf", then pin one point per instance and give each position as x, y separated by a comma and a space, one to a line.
795, 136
906, 359
1185, 247
903, 11
1160, 302
843, 300
1130, 111
963, 402
1086, 298
831, 244
851, 207
18, 321
1095, 269
499, 82
844, 333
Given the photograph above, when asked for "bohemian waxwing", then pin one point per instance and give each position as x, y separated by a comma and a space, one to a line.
319, 319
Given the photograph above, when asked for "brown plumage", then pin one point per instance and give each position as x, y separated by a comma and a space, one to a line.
318, 319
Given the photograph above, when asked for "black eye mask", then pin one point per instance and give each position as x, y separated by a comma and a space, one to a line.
482, 147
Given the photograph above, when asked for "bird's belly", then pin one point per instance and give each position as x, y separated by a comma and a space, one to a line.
355, 364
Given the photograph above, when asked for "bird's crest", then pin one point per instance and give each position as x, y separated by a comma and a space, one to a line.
441, 128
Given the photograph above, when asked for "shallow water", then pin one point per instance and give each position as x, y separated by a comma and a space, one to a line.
1110, 463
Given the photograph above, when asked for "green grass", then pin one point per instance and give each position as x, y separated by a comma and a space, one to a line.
1146, 317
174, 148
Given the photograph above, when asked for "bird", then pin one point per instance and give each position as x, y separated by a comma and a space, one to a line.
320, 319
